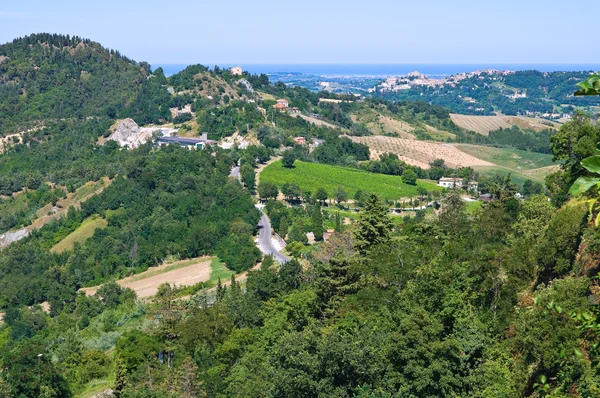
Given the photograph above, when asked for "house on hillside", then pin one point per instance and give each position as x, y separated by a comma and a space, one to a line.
281, 105
452, 182
294, 110
189, 143
300, 141
236, 71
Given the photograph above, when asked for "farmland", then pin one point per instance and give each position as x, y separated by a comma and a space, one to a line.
484, 124
312, 176
420, 153
511, 158
181, 273
83, 232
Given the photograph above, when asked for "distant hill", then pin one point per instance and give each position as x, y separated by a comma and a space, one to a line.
532, 93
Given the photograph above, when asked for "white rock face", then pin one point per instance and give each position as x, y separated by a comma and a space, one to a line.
130, 135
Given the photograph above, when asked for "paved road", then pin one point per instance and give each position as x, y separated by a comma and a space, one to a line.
235, 172
264, 240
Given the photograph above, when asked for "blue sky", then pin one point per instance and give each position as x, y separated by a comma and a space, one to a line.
321, 31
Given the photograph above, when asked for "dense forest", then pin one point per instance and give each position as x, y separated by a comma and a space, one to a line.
500, 300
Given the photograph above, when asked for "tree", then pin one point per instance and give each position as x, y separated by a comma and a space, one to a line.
267, 190
321, 195
289, 275
317, 223
340, 194
283, 227
248, 176
288, 159
374, 225
297, 233
409, 177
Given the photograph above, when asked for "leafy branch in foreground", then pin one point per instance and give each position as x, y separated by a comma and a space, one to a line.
590, 86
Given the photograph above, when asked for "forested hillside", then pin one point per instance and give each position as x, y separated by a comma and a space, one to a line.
494, 298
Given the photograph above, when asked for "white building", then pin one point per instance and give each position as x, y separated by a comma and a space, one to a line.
236, 71
451, 182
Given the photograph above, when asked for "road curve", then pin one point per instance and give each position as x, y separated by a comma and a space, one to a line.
264, 240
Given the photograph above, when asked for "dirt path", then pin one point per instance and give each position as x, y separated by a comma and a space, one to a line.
146, 283
261, 167
315, 121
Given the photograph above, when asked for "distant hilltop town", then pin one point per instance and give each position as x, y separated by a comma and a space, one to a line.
416, 79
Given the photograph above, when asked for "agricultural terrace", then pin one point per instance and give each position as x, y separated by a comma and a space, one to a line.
484, 124
420, 153
83, 232
312, 176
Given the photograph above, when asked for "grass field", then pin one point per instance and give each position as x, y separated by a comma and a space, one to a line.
312, 176
83, 232
516, 176
511, 158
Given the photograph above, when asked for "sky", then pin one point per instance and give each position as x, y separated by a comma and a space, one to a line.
322, 31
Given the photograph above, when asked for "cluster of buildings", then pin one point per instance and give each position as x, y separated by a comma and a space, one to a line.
283, 105
415, 79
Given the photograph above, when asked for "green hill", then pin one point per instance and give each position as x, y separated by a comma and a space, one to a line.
48, 76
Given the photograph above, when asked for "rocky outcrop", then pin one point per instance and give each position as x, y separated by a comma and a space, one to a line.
246, 84
128, 134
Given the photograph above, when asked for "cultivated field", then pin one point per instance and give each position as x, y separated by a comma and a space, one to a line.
180, 273
312, 176
511, 158
484, 124
82, 233
420, 153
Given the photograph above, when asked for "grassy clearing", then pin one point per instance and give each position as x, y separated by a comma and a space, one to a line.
473, 207
511, 158
88, 189
218, 270
82, 233
516, 177
312, 176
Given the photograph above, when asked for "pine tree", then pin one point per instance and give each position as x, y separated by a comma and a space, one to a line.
283, 227
317, 223
221, 290
339, 222
374, 225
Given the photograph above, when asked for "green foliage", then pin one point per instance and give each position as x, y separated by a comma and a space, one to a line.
590, 86
374, 225
409, 177
288, 159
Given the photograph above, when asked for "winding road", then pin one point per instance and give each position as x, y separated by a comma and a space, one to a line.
264, 240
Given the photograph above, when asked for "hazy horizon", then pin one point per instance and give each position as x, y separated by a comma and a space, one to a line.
334, 32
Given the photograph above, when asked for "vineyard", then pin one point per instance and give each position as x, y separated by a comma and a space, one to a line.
484, 124
420, 153
312, 176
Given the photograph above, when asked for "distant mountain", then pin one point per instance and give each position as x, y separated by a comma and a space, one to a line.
49, 76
